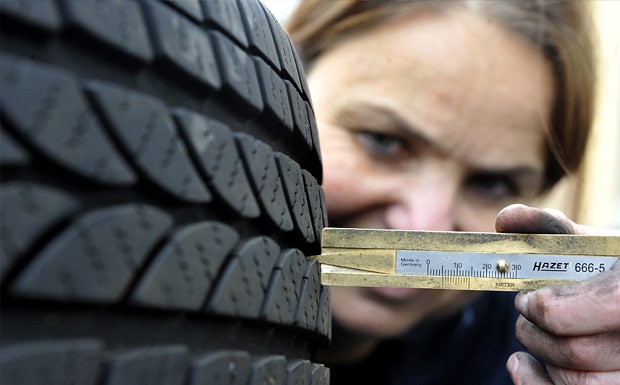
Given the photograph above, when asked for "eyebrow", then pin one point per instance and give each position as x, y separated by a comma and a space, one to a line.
358, 113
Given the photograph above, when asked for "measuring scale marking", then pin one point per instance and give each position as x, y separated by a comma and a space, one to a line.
507, 266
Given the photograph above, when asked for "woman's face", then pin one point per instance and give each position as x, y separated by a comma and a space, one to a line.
428, 122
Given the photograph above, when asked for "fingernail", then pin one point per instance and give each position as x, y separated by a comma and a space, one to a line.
521, 302
513, 364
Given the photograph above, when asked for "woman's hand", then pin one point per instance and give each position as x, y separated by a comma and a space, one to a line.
574, 328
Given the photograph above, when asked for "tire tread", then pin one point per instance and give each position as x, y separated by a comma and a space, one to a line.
159, 167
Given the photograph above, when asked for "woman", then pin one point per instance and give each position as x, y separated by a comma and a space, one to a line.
435, 116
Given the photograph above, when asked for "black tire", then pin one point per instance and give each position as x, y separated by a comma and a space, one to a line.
160, 190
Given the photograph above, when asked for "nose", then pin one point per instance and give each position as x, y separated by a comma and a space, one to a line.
424, 202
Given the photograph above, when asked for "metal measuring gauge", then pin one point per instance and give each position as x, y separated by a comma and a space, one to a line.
461, 260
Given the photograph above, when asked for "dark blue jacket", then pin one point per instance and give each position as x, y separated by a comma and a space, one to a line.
470, 348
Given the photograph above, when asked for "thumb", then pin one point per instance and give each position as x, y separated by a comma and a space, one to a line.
519, 218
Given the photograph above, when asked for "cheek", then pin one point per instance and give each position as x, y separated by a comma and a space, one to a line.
348, 178
342, 193
476, 217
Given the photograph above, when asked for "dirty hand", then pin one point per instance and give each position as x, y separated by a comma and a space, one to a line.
574, 328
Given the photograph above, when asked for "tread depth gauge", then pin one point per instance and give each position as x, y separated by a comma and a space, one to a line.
461, 260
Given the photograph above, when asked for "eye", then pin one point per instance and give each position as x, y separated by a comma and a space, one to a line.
383, 145
493, 187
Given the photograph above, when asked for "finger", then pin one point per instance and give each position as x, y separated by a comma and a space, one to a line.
583, 308
561, 376
519, 218
525, 370
599, 352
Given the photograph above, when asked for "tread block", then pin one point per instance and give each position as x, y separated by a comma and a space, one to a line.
315, 203
301, 120
305, 90
182, 47
226, 15
213, 146
118, 24
47, 108
96, 258
268, 370
221, 368
147, 133
324, 208
316, 146
150, 365
283, 294
261, 166
307, 309
190, 7
324, 321
298, 372
51, 362
258, 30
11, 153
242, 286
39, 14
239, 78
277, 111
292, 179
319, 374
284, 48
182, 273
27, 211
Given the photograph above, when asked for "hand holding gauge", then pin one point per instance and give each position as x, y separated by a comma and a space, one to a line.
573, 326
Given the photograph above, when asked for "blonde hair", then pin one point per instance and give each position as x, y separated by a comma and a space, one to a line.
560, 29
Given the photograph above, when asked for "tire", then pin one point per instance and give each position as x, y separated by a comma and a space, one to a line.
160, 190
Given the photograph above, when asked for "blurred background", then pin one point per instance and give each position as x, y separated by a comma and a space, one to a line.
592, 197
281, 9
601, 198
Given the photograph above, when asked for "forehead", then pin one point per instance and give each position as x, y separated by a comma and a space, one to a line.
461, 78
